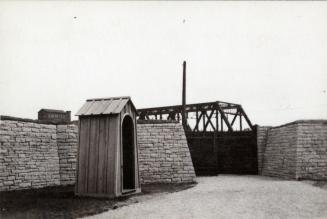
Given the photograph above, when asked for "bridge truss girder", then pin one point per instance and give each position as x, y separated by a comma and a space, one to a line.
202, 117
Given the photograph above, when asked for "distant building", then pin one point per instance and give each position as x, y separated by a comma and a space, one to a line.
54, 116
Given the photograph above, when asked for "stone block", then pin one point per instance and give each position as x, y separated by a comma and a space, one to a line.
167, 146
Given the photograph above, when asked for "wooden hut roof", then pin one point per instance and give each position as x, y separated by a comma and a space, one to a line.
104, 106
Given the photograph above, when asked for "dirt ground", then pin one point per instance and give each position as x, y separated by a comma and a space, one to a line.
228, 196
60, 202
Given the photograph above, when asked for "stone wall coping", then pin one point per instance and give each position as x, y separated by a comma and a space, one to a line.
302, 121
18, 119
155, 121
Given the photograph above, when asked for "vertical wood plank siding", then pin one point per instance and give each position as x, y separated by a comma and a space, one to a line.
100, 154
83, 155
117, 151
111, 154
92, 156
97, 147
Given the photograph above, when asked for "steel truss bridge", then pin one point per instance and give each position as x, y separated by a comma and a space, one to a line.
215, 116
220, 136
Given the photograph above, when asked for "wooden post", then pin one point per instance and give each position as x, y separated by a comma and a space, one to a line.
184, 97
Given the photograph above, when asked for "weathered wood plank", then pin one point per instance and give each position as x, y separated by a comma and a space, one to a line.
78, 159
118, 155
107, 162
92, 167
83, 141
111, 154
137, 173
85, 135
101, 156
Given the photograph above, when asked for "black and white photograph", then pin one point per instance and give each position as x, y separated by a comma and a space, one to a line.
163, 109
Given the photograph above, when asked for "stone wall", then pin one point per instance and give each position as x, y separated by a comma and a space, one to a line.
280, 152
28, 155
164, 155
67, 136
35, 155
296, 150
262, 132
312, 150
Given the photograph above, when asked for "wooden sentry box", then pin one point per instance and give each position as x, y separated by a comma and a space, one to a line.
107, 153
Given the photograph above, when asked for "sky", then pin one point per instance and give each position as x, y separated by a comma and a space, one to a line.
270, 57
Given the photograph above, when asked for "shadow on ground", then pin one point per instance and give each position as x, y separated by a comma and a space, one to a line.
60, 202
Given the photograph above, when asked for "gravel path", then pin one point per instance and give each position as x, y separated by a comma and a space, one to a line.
227, 196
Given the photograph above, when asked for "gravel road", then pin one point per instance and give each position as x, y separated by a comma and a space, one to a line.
228, 196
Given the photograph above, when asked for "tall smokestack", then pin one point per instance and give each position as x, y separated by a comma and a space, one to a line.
184, 96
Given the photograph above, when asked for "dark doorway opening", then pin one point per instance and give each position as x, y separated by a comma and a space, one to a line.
128, 155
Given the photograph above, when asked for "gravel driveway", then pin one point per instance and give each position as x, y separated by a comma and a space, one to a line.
228, 196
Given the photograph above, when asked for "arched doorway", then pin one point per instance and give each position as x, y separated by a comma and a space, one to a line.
128, 154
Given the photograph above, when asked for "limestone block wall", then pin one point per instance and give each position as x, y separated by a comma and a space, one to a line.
28, 155
296, 150
262, 133
67, 136
164, 156
312, 150
280, 152
35, 155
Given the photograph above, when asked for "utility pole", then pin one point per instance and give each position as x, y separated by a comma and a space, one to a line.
184, 122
